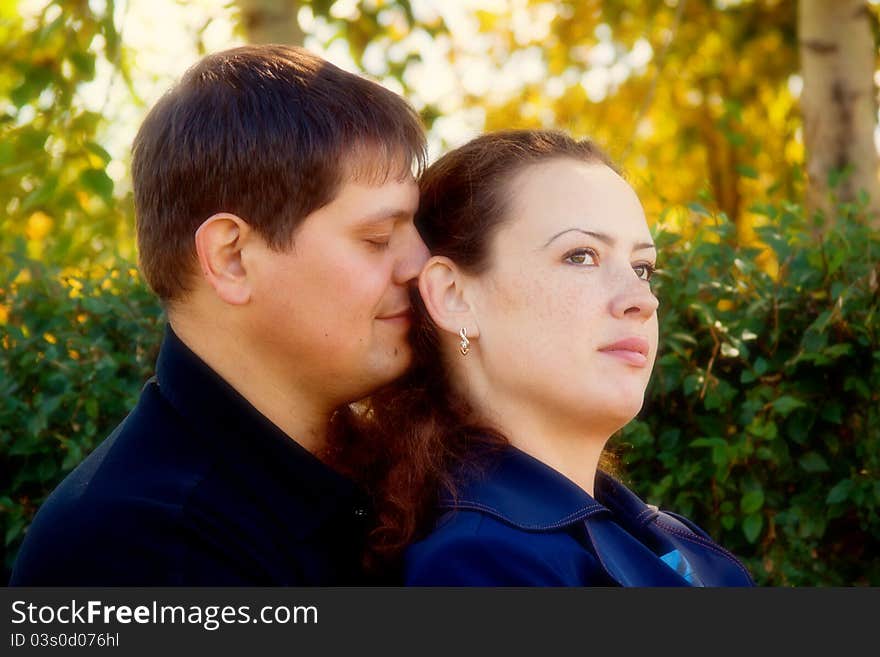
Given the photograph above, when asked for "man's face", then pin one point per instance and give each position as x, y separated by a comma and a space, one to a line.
333, 313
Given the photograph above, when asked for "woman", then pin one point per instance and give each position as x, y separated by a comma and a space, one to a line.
535, 339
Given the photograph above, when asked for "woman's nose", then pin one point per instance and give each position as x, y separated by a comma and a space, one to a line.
634, 299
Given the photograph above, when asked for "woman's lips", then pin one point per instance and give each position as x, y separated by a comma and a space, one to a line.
631, 357
633, 351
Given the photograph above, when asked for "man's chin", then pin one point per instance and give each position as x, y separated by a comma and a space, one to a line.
392, 367
398, 363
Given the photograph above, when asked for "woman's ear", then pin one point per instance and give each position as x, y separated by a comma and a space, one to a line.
219, 242
442, 286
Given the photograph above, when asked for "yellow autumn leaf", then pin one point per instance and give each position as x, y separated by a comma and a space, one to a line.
38, 226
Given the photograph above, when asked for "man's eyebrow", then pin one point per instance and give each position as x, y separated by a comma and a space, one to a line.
384, 214
602, 237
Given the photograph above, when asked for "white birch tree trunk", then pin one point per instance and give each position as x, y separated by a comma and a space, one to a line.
271, 21
839, 101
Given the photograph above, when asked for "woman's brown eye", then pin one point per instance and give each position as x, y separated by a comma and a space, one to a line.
644, 271
581, 257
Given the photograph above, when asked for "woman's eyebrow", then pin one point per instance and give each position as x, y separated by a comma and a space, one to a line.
602, 237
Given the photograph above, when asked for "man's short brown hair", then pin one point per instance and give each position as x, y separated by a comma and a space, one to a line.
268, 133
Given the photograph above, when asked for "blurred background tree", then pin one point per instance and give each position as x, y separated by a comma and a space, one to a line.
697, 99
268, 21
727, 116
57, 199
838, 56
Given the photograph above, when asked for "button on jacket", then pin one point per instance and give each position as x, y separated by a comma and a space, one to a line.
522, 523
196, 487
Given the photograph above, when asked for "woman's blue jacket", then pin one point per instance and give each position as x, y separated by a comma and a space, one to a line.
522, 523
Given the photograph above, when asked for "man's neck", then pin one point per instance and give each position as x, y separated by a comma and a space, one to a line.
273, 393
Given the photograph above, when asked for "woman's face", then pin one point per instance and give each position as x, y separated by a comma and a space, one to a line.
567, 320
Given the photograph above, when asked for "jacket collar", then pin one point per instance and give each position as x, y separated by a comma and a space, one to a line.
524, 492
237, 433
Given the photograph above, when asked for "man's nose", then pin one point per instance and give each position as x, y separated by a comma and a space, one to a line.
412, 257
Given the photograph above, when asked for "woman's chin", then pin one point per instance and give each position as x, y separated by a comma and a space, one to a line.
620, 411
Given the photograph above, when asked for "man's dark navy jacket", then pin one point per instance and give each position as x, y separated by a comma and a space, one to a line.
522, 523
195, 487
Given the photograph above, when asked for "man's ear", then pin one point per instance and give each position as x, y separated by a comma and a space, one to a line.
442, 286
219, 242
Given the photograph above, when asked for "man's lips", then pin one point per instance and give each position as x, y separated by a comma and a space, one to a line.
405, 313
631, 350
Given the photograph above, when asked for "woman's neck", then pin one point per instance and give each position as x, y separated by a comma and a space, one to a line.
578, 460
565, 447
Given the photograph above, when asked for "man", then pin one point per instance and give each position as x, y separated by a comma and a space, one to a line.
274, 196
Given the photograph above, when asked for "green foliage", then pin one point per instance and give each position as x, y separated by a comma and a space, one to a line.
762, 421
76, 336
54, 186
653, 82
762, 417
75, 353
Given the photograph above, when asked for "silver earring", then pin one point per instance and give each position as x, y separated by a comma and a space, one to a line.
465, 344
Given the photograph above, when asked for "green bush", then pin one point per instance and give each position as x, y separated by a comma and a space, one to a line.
75, 353
761, 422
